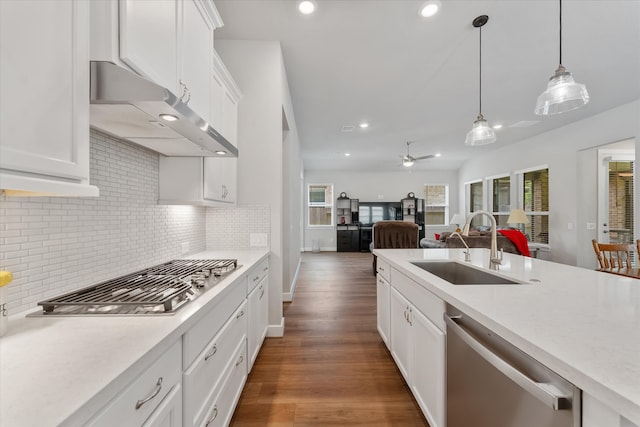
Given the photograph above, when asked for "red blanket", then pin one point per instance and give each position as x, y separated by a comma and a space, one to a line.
518, 239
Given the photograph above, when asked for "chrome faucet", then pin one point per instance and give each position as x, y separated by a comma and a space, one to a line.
467, 254
494, 260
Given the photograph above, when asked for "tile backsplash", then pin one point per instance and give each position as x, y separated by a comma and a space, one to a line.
54, 245
231, 228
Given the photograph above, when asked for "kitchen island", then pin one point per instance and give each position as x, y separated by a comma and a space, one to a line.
582, 324
62, 371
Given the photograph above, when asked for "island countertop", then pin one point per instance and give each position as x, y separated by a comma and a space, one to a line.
583, 324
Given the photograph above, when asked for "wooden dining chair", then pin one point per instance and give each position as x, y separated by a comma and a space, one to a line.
615, 255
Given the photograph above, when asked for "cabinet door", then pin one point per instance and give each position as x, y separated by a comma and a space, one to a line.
44, 89
148, 40
229, 117
220, 179
428, 382
257, 325
169, 412
382, 296
195, 56
401, 345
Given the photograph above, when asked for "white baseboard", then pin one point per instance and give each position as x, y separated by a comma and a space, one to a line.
288, 296
276, 330
322, 249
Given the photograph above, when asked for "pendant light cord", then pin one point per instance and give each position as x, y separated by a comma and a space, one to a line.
560, 32
480, 74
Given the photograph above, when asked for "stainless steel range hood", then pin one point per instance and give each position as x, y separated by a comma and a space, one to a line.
128, 106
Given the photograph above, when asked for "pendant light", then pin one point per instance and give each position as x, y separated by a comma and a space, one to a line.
480, 133
563, 93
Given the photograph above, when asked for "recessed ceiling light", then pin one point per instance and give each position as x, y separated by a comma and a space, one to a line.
497, 126
430, 8
168, 117
438, 155
307, 7
347, 154
364, 125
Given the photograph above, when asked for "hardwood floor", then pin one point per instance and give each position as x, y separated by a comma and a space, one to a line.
331, 367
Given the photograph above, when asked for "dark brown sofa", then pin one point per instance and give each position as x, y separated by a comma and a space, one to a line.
393, 235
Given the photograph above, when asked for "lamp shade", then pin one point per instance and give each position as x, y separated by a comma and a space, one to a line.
517, 216
457, 219
480, 133
563, 94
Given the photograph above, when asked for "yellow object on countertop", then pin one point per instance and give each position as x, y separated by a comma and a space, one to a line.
5, 278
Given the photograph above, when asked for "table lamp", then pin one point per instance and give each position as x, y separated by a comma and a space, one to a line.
457, 219
517, 216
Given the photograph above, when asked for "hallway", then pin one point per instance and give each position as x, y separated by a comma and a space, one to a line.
331, 367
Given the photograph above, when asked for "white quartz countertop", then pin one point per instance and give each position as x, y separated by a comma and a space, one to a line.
583, 324
62, 370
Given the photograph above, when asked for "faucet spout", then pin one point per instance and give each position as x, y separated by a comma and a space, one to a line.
494, 260
467, 253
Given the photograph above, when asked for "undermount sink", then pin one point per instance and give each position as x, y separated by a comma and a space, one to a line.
460, 274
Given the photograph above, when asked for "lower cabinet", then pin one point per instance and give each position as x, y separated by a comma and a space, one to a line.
348, 238
417, 343
598, 414
154, 398
258, 301
383, 295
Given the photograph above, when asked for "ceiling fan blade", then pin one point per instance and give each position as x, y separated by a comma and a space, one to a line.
430, 156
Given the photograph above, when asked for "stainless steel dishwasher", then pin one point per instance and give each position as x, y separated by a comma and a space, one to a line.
491, 383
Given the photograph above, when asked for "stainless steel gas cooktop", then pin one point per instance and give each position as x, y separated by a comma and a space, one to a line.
161, 289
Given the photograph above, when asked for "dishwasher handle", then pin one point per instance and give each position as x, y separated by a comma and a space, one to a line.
545, 392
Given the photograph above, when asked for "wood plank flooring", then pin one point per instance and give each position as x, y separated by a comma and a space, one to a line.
331, 368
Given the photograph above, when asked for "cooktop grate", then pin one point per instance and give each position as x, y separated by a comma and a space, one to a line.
159, 289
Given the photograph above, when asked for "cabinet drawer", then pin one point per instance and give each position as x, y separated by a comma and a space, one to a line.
198, 336
227, 395
429, 304
258, 273
384, 269
138, 400
203, 376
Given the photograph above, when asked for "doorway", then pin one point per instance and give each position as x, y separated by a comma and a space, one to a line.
616, 196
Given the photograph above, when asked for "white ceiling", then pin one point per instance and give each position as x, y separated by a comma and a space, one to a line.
416, 79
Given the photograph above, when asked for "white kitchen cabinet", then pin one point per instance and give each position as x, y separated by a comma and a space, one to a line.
418, 344
258, 301
201, 181
44, 98
148, 39
383, 295
225, 96
205, 375
597, 414
139, 401
169, 412
428, 371
401, 345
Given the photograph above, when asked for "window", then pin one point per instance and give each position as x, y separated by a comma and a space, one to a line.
500, 193
320, 205
436, 205
535, 202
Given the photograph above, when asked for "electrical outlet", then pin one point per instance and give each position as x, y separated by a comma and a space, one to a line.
258, 239
591, 226
184, 248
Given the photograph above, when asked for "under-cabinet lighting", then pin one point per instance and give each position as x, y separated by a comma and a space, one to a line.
168, 117
221, 152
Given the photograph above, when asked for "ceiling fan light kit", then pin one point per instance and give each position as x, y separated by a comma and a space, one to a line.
481, 133
563, 93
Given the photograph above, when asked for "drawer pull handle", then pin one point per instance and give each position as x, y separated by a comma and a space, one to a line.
214, 350
261, 293
266, 268
240, 361
139, 403
256, 278
240, 314
213, 417
381, 268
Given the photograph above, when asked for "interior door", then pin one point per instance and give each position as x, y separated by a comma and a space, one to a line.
615, 196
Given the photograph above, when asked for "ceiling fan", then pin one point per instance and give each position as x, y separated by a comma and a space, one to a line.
408, 160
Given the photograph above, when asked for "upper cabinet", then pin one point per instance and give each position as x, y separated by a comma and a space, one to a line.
44, 98
225, 96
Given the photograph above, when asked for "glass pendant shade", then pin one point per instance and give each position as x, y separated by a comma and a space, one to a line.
563, 94
481, 133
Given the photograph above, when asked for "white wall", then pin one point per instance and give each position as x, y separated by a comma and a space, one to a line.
257, 67
368, 187
572, 193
